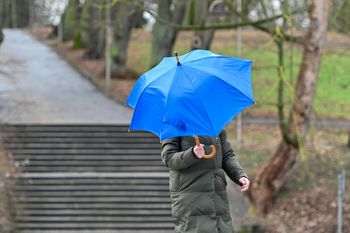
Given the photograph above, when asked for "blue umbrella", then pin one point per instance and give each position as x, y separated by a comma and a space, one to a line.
194, 94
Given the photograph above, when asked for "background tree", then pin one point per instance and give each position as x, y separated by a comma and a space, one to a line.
93, 30
4, 11
70, 21
198, 14
22, 12
340, 17
125, 16
15, 13
1, 35
163, 34
272, 176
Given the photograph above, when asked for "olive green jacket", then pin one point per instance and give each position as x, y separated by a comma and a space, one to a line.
198, 186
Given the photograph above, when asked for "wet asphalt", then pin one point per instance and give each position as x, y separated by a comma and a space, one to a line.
38, 86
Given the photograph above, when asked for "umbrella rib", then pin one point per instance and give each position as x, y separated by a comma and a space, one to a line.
143, 91
200, 100
218, 56
167, 96
186, 55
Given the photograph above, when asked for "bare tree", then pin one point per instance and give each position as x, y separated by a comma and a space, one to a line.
339, 19
1, 35
15, 13
202, 39
272, 176
70, 20
93, 30
125, 16
164, 35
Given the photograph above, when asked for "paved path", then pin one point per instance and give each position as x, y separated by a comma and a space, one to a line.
37, 86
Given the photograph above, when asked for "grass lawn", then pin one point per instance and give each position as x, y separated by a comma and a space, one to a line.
332, 97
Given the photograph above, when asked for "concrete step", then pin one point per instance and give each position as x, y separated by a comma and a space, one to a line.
74, 181
88, 178
86, 157
94, 193
64, 128
86, 230
71, 140
60, 134
87, 145
96, 225
93, 218
107, 163
101, 206
73, 151
96, 168
94, 212
129, 199
92, 187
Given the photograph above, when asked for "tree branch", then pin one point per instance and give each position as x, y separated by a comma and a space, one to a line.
268, 30
288, 138
248, 22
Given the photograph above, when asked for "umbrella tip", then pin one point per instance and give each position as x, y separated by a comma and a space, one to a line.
177, 58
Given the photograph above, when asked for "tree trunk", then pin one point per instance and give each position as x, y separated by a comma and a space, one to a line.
164, 35
1, 35
349, 141
1, 21
23, 14
202, 39
92, 29
125, 16
71, 20
3, 12
272, 176
15, 13
341, 17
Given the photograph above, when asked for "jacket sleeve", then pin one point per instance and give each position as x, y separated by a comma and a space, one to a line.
230, 162
175, 159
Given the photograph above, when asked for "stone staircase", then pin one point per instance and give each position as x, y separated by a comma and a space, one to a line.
88, 178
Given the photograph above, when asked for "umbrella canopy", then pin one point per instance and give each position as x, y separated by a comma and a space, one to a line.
199, 95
